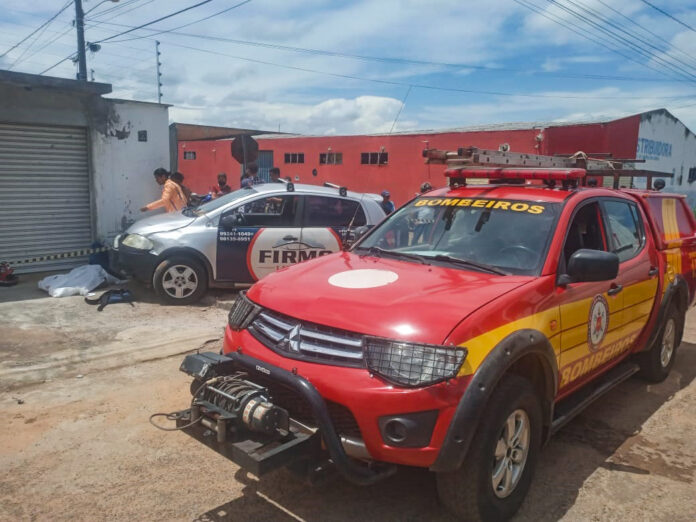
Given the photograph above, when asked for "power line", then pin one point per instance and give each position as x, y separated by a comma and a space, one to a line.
367, 58
421, 86
638, 38
631, 20
45, 24
622, 40
158, 32
155, 21
129, 31
669, 15
599, 40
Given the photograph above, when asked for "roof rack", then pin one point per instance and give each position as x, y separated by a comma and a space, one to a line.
503, 166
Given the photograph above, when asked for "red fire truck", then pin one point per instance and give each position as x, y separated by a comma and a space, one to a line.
459, 334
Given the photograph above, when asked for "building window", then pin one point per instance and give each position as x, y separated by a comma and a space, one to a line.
374, 158
294, 157
189, 154
331, 158
692, 174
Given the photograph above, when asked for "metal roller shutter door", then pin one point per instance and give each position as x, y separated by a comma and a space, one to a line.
45, 204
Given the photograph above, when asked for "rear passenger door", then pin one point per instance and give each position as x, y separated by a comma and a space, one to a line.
325, 223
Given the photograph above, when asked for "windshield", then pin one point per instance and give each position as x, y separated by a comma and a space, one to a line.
493, 235
223, 200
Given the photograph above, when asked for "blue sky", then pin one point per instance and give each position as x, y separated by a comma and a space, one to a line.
340, 67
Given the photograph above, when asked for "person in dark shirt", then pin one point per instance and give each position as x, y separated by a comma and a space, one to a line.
386, 204
222, 187
275, 175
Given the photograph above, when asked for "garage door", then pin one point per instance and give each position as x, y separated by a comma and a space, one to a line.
44, 195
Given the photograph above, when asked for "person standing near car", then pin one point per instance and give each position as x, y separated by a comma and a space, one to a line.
172, 199
387, 204
178, 178
274, 173
252, 171
222, 187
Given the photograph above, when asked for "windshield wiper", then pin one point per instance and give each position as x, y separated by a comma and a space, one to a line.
466, 262
377, 251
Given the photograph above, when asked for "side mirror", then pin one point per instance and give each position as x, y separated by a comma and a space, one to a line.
232, 220
587, 265
353, 235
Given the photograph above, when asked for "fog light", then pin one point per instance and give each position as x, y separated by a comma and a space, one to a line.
408, 430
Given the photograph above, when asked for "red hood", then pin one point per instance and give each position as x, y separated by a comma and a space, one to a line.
423, 303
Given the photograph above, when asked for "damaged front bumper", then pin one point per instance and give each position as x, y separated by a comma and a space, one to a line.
256, 434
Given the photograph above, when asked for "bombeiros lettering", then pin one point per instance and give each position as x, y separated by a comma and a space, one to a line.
494, 204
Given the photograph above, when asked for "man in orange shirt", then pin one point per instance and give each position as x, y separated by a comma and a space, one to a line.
172, 199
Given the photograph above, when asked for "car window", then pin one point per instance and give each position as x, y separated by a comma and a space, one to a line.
324, 211
271, 211
585, 231
624, 230
224, 200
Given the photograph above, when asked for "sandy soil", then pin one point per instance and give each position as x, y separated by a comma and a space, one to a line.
82, 449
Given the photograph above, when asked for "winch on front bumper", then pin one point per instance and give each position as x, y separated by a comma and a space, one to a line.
233, 412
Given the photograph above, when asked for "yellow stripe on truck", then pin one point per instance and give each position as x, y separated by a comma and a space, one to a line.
572, 319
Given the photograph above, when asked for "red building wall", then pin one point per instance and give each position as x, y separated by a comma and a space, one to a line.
406, 170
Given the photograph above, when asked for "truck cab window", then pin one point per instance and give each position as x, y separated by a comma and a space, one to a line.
585, 231
626, 235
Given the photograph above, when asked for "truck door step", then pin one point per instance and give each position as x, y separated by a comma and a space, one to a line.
569, 407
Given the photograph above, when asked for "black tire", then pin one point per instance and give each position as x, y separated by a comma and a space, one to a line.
656, 363
180, 280
469, 492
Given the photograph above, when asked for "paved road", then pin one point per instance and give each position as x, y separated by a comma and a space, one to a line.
82, 449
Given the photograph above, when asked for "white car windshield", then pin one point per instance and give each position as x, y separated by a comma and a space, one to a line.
223, 200
494, 235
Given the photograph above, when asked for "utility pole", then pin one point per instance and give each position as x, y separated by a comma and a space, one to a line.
81, 51
159, 74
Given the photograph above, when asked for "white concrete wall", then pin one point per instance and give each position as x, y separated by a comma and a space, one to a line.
122, 166
667, 145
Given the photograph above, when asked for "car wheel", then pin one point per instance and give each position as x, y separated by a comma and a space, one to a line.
657, 362
180, 280
498, 468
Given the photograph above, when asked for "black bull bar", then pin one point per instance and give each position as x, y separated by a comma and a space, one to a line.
256, 452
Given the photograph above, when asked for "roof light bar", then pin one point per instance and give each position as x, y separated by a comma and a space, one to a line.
516, 173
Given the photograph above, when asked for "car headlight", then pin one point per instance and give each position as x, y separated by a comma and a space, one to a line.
242, 313
138, 242
412, 364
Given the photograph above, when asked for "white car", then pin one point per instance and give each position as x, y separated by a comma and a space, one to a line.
238, 238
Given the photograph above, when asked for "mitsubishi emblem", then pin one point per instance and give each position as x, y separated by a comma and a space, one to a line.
292, 339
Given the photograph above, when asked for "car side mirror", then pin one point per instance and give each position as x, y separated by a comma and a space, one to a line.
353, 235
587, 265
231, 221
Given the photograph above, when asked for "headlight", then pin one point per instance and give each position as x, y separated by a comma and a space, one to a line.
242, 313
412, 364
116, 239
138, 242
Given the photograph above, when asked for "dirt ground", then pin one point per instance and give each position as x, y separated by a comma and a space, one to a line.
81, 448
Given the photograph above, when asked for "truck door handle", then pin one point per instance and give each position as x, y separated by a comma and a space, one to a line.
614, 289
653, 271
289, 238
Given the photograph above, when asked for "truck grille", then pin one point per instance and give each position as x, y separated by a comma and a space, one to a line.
343, 420
307, 341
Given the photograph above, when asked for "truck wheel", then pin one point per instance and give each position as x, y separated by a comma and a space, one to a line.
657, 362
180, 280
498, 468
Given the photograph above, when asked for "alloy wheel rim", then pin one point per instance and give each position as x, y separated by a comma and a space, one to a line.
667, 348
511, 452
179, 281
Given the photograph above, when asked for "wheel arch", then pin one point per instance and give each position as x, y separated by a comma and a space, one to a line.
677, 293
527, 353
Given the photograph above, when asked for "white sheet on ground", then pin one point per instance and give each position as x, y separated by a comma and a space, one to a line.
79, 281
